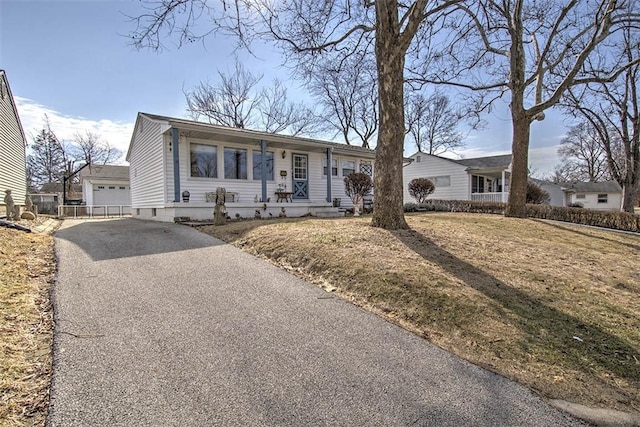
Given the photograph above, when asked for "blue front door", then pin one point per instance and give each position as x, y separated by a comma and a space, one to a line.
300, 176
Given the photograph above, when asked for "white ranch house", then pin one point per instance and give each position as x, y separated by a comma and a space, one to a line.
602, 196
480, 179
176, 165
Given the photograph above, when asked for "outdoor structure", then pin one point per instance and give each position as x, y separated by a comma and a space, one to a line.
105, 189
176, 165
603, 196
480, 179
13, 171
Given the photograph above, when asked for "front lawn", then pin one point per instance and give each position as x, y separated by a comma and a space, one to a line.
552, 305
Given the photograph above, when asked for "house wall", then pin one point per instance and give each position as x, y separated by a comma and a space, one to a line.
555, 193
590, 201
248, 189
432, 166
147, 165
13, 173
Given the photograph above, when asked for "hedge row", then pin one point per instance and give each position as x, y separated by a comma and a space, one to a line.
606, 219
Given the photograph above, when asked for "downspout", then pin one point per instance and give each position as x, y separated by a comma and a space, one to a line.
329, 172
263, 167
175, 141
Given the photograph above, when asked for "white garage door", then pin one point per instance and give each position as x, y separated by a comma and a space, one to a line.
111, 195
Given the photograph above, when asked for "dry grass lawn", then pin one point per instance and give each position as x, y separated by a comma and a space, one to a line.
551, 305
27, 266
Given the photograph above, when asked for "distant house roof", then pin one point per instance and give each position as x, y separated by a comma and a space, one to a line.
56, 187
105, 172
247, 134
592, 187
502, 161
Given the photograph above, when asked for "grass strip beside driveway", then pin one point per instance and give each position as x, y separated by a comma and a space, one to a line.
27, 267
553, 306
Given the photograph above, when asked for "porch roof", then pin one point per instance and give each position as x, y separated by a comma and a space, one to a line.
200, 130
491, 162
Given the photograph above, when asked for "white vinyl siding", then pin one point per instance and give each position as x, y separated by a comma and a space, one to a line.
438, 167
595, 201
146, 166
13, 173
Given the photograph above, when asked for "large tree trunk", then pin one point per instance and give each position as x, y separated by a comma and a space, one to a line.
516, 207
520, 120
628, 198
388, 209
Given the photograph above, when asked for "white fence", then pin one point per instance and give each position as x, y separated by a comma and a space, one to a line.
93, 211
490, 197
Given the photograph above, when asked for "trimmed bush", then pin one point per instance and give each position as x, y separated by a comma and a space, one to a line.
536, 195
420, 188
615, 220
357, 186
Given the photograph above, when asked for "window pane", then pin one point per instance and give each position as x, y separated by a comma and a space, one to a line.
602, 198
300, 167
257, 165
235, 163
348, 167
204, 161
334, 167
442, 181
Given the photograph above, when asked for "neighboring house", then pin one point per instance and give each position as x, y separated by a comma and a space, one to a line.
481, 179
176, 165
105, 189
555, 191
13, 170
605, 195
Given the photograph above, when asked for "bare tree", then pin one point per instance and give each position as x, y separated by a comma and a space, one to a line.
582, 154
306, 30
532, 53
48, 158
231, 101
279, 115
432, 123
236, 100
612, 110
91, 148
348, 95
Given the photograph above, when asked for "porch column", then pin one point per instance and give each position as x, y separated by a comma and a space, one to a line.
329, 170
263, 168
175, 141
503, 187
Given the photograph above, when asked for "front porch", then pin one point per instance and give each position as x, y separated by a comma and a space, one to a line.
490, 185
235, 210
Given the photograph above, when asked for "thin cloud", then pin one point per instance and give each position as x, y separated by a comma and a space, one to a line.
32, 116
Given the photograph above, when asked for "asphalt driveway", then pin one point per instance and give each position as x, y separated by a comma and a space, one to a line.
160, 325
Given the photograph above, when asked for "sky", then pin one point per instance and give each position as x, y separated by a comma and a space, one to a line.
72, 60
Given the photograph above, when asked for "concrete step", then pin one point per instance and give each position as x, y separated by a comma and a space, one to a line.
327, 212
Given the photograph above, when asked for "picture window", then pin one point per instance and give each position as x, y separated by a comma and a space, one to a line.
204, 161
235, 163
257, 165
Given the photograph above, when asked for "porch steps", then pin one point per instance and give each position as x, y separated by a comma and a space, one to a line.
326, 212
